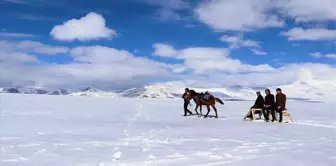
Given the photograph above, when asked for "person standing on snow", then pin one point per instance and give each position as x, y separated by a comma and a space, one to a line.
280, 103
269, 105
186, 102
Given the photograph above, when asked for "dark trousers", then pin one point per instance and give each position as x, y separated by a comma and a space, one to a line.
280, 113
266, 112
186, 108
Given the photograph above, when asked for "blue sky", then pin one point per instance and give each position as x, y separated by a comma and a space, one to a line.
180, 25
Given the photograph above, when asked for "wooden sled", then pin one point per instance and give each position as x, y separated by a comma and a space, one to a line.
285, 113
255, 111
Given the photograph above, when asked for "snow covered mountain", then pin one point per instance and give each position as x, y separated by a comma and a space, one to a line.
26, 90
161, 91
9, 90
34, 90
174, 90
311, 89
303, 89
93, 92
59, 92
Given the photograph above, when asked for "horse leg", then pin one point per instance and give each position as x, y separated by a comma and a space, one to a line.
196, 109
208, 107
214, 107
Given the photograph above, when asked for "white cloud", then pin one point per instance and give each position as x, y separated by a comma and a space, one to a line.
16, 58
92, 66
316, 55
238, 41
16, 35
286, 74
320, 55
90, 27
164, 50
308, 10
31, 47
258, 52
241, 15
111, 68
202, 60
238, 15
314, 34
331, 56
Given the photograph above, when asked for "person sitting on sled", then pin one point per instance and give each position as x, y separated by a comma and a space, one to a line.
269, 106
259, 103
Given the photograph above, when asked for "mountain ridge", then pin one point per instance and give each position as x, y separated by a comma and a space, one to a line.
309, 89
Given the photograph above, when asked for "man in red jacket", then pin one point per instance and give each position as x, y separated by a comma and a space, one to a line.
280, 103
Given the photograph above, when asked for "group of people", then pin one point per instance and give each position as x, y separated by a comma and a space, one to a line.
270, 104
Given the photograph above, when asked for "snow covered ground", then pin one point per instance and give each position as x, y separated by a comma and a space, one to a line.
80, 131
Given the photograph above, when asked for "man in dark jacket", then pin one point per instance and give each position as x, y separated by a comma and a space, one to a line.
186, 102
280, 103
269, 105
259, 103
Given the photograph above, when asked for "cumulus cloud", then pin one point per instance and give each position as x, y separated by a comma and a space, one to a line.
202, 60
31, 47
313, 34
16, 58
91, 66
111, 68
320, 55
238, 15
241, 15
308, 10
164, 50
90, 27
239, 41
286, 74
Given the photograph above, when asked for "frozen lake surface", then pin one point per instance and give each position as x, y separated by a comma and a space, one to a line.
82, 131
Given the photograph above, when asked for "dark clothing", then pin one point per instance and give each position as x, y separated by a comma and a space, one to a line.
280, 112
185, 106
259, 103
184, 95
266, 112
269, 100
269, 107
281, 100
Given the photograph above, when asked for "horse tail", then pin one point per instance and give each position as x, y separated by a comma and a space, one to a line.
219, 100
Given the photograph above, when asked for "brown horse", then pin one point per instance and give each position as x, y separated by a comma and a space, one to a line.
199, 102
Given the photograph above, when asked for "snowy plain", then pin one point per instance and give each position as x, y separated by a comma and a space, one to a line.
42, 130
